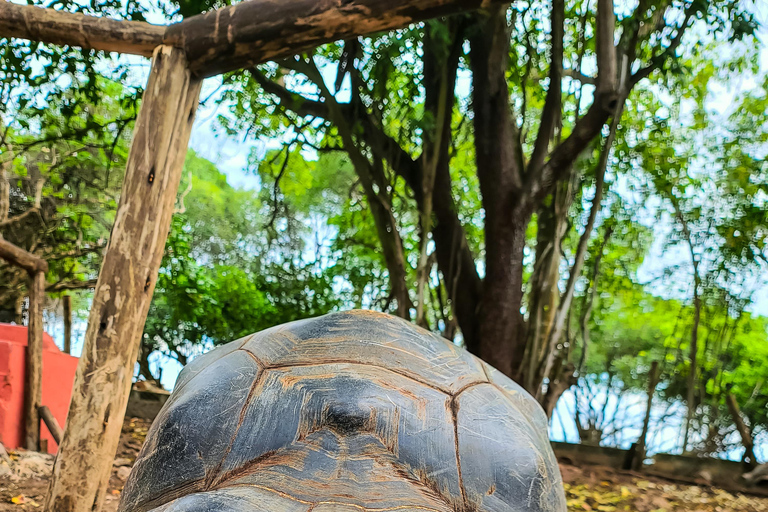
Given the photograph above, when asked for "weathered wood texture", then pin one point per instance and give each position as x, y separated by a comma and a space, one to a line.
50, 421
67, 306
33, 371
20, 258
248, 33
33, 391
72, 29
233, 37
125, 286
350, 411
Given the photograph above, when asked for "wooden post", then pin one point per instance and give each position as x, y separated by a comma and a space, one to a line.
67, 324
33, 372
50, 421
33, 393
653, 381
744, 432
125, 286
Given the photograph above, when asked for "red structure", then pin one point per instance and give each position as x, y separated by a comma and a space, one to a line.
58, 377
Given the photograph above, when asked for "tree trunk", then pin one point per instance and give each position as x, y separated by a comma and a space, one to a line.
33, 386
499, 338
642, 442
370, 174
694, 348
691, 398
125, 286
67, 323
144, 369
744, 432
441, 60
544, 296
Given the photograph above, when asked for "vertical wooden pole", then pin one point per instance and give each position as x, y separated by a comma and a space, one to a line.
125, 286
67, 323
33, 376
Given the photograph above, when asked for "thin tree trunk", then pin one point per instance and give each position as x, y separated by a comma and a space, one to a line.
67, 323
33, 386
589, 302
642, 442
581, 250
125, 286
5, 186
694, 348
439, 82
744, 431
544, 295
371, 174
693, 358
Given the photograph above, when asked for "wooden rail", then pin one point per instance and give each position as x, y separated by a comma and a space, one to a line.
233, 37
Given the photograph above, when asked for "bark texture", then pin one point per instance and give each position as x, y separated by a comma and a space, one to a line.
67, 303
73, 29
18, 257
125, 286
234, 37
50, 421
33, 376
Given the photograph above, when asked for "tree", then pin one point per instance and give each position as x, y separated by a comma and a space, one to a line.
220, 279
60, 171
530, 118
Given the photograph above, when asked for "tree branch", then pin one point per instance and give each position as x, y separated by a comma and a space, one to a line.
20, 258
553, 103
606, 51
581, 249
71, 285
660, 59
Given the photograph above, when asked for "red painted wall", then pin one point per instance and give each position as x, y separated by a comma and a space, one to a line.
58, 377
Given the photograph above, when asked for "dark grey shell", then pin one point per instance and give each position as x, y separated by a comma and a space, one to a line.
350, 411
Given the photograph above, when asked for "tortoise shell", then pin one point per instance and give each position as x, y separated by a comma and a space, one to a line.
348, 412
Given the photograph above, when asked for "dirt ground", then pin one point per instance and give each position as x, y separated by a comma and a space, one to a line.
588, 488
24, 488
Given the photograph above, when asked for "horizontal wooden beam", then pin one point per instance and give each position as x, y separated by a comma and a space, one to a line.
255, 31
18, 257
234, 37
73, 29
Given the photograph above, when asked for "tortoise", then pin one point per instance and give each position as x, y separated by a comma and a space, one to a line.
350, 411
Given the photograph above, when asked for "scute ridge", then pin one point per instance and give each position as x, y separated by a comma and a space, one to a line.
349, 412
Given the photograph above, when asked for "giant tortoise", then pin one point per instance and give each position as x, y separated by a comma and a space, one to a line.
351, 411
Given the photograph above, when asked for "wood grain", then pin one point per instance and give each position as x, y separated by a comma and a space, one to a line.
53, 425
125, 286
33, 368
233, 37
19, 257
74, 29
